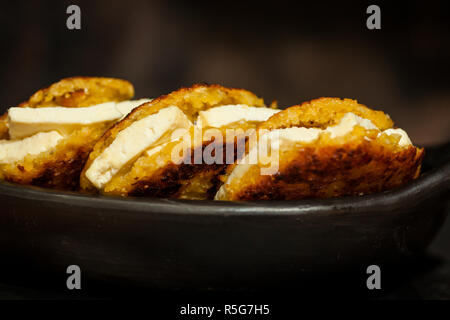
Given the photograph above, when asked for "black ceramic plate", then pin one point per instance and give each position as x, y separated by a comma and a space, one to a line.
171, 243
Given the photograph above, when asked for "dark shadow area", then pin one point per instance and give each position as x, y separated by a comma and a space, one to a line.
403, 280
287, 51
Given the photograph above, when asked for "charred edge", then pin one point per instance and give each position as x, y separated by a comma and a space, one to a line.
319, 173
168, 183
64, 174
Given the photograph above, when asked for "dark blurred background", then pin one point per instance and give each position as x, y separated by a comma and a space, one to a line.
286, 51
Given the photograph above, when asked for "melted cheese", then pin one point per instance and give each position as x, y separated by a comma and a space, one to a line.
347, 123
404, 139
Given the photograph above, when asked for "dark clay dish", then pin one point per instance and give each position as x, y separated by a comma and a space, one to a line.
174, 243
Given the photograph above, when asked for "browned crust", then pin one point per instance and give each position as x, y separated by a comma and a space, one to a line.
4, 126
185, 180
168, 182
61, 172
79, 92
191, 101
323, 112
60, 168
332, 171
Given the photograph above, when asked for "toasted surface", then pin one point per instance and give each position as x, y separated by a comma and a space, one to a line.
349, 165
60, 167
323, 112
4, 126
79, 92
75, 92
156, 175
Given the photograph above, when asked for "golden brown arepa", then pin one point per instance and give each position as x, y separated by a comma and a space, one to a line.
324, 148
53, 154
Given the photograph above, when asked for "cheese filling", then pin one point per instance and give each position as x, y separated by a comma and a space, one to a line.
404, 139
36, 130
299, 134
24, 122
133, 140
344, 127
347, 123
125, 107
12, 151
224, 115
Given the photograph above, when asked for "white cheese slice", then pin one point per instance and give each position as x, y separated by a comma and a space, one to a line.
15, 150
24, 122
133, 140
301, 134
294, 134
224, 115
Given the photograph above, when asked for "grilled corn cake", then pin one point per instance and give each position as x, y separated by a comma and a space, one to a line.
324, 148
47, 139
